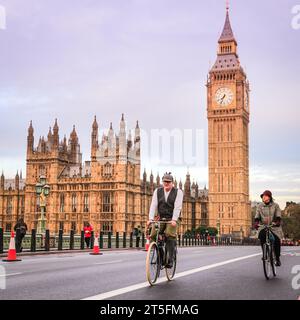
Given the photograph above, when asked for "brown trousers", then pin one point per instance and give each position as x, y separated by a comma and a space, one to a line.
167, 229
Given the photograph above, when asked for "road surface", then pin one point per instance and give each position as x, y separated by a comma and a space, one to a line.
203, 273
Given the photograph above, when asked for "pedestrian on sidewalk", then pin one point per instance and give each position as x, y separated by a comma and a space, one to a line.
23, 229
87, 234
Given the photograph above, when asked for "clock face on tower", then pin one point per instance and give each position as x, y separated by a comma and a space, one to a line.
224, 96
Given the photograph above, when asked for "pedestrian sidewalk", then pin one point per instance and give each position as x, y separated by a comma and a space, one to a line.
66, 251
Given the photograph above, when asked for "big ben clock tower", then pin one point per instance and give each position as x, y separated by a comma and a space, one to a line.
228, 152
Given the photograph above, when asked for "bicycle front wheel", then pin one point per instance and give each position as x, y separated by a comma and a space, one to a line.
152, 263
266, 261
273, 263
170, 272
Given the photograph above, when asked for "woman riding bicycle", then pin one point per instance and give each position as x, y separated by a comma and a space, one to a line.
167, 200
267, 213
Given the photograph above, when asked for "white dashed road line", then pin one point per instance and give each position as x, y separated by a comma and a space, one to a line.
109, 262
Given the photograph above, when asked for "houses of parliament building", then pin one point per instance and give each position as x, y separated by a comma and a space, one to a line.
109, 191
106, 191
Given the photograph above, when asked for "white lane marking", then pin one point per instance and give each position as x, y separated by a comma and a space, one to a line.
109, 262
137, 286
10, 274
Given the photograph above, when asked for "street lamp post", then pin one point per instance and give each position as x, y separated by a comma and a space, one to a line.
218, 226
42, 190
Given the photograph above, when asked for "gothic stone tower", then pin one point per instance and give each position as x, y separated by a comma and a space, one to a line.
228, 119
116, 169
50, 158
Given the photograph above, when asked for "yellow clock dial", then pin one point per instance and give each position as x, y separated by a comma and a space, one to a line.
224, 96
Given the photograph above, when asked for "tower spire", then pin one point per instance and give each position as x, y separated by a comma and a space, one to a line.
227, 33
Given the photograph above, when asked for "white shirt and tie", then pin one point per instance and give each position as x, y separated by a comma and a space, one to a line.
177, 204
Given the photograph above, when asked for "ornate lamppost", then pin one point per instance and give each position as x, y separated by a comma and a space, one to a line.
42, 190
218, 227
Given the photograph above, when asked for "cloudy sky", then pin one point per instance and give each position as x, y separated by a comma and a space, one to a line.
149, 59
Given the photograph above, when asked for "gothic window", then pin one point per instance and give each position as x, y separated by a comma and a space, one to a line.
203, 211
9, 205
42, 171
221, 132
107, 171
62, 203
74, 202
228, 137
222, 157
107, 203
86, 203
228, 184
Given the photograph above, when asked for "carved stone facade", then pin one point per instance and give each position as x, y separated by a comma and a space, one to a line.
106, 191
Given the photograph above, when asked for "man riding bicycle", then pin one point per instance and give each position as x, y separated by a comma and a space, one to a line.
167, 200
267, 213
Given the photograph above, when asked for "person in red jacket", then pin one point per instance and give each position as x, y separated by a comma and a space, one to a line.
87, 234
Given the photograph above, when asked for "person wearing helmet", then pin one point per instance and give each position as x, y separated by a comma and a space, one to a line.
268, 212
167, 201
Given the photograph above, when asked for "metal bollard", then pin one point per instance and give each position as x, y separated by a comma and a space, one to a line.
189, 240
131, 240
1, 240
124, 239
72, 240
47, 240
92, 240
186, 241
179, 240
82, 240
117, 240
33, 241
137, 242
18, 240
101, 240
143, 240
109, 240
60, 239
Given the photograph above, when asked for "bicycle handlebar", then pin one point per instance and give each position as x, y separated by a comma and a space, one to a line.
267, 225
160, 221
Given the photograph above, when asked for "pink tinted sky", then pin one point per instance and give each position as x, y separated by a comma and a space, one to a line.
149, 59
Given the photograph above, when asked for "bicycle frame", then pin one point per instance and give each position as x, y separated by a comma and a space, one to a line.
268, 252
160, 239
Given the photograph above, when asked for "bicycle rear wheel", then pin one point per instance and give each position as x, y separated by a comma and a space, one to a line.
170, 272
152, 263
266, 261
272, 260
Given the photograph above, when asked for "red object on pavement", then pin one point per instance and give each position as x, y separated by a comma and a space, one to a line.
87, 231
12, 255
96, 249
